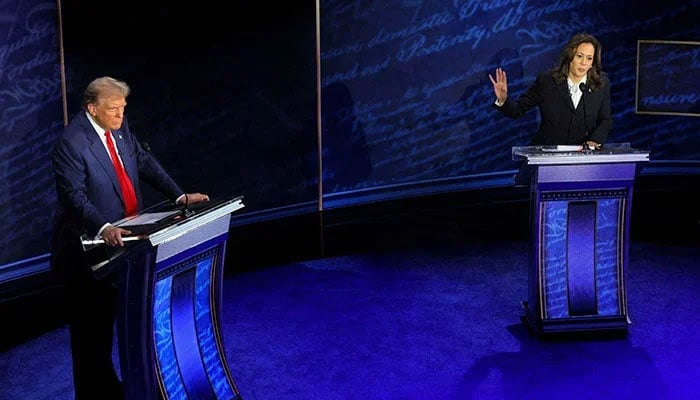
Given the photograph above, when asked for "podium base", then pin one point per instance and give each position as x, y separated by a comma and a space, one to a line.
588, 325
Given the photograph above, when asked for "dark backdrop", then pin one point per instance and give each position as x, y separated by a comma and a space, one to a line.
226, 95
414, 78
30, 118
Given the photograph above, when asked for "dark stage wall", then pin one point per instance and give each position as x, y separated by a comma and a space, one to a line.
409, 80
227, 96
31, 115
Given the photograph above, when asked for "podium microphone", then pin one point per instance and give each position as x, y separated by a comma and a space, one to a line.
584, 88
147, 147
185, 210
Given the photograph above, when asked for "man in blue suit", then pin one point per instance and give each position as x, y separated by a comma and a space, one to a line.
95, 187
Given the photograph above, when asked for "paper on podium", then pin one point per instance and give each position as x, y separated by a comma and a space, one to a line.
561, 148
146, 218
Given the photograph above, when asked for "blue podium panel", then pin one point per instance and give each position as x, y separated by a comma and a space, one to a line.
580, 254
579, 216
170, 343
188, 348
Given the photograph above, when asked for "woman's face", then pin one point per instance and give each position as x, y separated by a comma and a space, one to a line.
582, 61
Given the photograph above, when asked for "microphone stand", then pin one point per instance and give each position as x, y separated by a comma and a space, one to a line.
185, 211
583, 87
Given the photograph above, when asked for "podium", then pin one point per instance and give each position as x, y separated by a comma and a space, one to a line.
580, 210
170, 276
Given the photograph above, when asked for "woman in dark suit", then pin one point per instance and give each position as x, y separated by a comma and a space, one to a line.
573, 98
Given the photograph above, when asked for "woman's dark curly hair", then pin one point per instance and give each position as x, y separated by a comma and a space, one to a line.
561, 71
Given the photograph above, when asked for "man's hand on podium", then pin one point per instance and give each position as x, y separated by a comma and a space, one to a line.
192, 198
112, 235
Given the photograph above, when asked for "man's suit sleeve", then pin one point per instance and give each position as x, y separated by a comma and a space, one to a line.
149, 169
70, 175
153, 173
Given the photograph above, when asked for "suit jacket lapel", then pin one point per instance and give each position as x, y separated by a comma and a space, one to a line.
97, 148
125, 155
563, 89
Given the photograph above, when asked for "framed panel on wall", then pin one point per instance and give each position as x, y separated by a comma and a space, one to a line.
667, 78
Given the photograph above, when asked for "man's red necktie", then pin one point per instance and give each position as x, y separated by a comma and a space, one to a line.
128, 194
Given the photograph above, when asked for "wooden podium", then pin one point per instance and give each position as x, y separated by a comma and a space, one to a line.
170, 275
580, 209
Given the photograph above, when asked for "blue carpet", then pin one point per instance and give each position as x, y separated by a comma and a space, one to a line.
433, 322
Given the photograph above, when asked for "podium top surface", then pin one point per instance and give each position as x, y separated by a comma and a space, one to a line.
552, 155
164, 221
173, 223
158, 224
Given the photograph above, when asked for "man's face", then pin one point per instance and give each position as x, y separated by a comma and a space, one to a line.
108, 112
